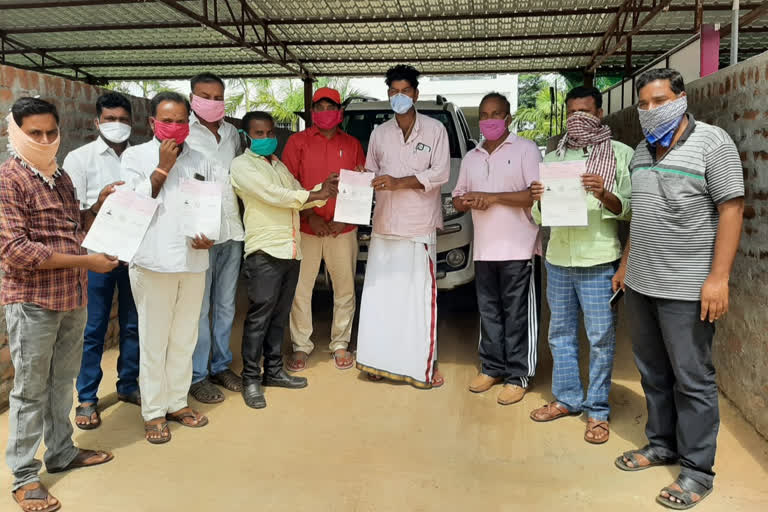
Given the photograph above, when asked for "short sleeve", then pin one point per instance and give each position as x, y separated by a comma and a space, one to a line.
724, 175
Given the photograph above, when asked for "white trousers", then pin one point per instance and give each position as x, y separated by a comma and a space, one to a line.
168, 305
340, 256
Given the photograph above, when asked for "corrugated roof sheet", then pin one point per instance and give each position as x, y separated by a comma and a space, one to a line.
115, 39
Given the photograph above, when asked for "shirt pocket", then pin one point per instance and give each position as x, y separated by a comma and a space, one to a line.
419, 160
678, 189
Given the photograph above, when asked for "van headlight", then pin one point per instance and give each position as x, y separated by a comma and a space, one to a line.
449, 211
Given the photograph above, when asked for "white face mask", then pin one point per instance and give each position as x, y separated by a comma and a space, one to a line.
115, 132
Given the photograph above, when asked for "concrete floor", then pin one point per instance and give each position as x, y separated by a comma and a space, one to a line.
346, 444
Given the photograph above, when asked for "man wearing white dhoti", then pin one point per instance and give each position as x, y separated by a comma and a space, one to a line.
398, 316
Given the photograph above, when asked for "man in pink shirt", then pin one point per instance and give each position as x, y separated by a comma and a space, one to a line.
493, 183
398, 314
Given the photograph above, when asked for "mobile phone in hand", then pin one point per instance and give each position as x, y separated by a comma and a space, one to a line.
614, 302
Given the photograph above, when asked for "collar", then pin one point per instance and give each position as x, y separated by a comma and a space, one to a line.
185, 149
102, 146
416, 126
511, 139
314, 130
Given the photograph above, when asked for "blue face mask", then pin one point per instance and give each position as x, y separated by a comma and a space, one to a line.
263, 147
401, 103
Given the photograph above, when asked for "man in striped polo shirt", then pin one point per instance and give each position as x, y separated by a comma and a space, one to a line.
687, 203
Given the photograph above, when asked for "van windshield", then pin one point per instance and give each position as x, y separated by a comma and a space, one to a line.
360, 124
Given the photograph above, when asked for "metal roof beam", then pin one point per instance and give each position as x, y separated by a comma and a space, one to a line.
348, 60
25, 49
750, 17
205, 21
628, 7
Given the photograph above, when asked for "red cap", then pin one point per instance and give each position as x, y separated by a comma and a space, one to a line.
327, 93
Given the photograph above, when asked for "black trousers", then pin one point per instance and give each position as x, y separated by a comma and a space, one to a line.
673, 351
509, 303
271, 286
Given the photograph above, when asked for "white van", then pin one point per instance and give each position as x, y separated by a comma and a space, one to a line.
455, 266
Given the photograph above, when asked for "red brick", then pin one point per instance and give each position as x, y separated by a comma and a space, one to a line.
750, 115
8, 373
728, 84
5, 354
749, 212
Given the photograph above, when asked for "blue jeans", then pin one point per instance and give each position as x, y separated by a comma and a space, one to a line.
570, 289
218, 300
101, 290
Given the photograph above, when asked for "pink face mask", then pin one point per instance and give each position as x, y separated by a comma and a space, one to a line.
176, 131
492, 129
327, 119
208, 110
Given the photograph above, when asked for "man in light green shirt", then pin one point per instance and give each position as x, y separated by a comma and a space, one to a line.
272, 199
580, 264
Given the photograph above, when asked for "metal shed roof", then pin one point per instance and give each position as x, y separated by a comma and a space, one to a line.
144, 39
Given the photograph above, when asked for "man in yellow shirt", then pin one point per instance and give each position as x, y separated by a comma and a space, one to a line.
272, 199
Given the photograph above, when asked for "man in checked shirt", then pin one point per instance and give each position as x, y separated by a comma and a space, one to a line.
45, 294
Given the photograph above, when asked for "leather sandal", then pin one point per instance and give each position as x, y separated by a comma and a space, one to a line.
161, 428
187, 413
596, 427
550, 412
654, 459
689, 487
81, 460
24, 496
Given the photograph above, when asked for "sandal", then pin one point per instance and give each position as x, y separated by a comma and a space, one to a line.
297, 362
205, 392
649, 453
374, 378
24, 497
437, 380
229, 380
551, 412
198, 420
689, 487
83, 460
343, 360
133, 397
596, 428
88, 412
157, 428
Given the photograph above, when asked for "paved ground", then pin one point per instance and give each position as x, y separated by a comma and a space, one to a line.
346, 444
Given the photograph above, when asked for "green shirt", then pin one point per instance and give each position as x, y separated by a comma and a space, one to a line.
598, 241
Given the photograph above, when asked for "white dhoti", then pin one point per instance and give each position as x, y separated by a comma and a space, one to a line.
397, 336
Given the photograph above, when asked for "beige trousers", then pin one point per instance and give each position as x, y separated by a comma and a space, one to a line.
340, 256
169, 314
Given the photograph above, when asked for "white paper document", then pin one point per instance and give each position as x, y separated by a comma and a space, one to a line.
355, 199
564, 202
121, 224
200, 208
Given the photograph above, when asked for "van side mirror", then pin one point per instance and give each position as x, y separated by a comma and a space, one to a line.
471, 144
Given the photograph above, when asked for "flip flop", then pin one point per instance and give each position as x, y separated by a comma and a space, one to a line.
87, 411
179, 417
350, 362
297, 363
162, 428
39, 493
80, 460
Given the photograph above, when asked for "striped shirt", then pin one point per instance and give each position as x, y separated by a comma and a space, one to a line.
674, 211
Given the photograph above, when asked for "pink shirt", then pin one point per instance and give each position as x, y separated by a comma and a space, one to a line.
502, 233
426, 155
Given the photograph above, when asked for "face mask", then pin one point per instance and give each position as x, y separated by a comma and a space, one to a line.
660, 124
40, 156
208, 110
493, 129
176, 131
115, 131
401, 103
327, 119
264, 147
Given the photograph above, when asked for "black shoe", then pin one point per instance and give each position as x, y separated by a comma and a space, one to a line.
228, 379
206, 393
253, 394
281, 379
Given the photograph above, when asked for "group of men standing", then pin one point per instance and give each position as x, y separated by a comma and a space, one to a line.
682, 188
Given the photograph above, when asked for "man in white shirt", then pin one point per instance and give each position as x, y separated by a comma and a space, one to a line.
218, 141
168, 272
92, 167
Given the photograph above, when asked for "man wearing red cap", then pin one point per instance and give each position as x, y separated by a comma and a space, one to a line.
312, 155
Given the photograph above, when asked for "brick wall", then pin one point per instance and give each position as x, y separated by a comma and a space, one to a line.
736, 99
76, 103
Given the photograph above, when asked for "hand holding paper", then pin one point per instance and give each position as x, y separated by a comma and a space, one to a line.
564, 200
355, 199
